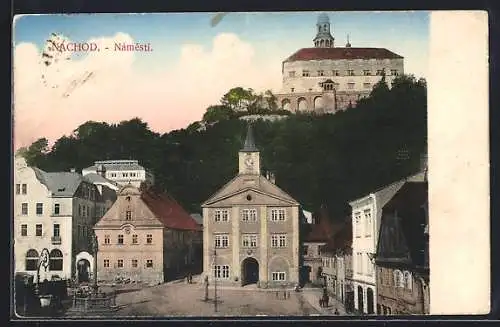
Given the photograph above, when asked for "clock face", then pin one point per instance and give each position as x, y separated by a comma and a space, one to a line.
249, 162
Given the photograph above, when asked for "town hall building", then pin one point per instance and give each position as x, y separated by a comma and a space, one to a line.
251, 228
327, 78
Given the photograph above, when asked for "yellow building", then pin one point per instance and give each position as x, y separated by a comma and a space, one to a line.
251, 228
145, 236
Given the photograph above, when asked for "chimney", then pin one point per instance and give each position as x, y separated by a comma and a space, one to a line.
272, 179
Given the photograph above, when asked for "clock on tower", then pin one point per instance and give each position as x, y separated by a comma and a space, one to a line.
249, 156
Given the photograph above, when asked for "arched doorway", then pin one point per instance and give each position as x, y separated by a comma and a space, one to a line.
285, 105
318, 103
369, 301
83, 266
302, 104
249, 271
360, 299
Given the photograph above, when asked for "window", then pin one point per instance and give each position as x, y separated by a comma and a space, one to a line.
84, 211
221, 241
80, 210
291, 74
278, 276
380, 72
305, 248
57, 208
277, 214
125, 174
394, 72
398, 278
292, 89
120, 239
357, 220
18, 188
407, 280
335, 73
113, 174
106, 263
134, 239
24, 209
369, 265
106, 239
221, 271
56, 260
367, 72
367, 85
39, 208
350, 72
31, 260
24, 230
128, 215
249, 240
249, 215
368, 222
134, 263
149, 263
305, 73
132, 174
278, 240
38, 230
221, 215
321, 73
24, 189
57, 230
120, 263
149, 238
350, 86
359, 262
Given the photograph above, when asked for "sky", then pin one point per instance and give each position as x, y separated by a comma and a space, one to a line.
190, 68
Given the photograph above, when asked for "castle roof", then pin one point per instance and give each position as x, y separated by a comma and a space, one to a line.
306, 54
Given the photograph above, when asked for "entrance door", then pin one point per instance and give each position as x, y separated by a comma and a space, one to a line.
369, 301
250, 271
83, 270
360, 299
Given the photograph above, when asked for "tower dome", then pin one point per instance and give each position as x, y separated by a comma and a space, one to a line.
323, 37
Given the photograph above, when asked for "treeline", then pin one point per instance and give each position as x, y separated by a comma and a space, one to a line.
329, 159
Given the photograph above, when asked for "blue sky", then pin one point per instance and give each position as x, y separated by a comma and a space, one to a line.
401, 32
191, 67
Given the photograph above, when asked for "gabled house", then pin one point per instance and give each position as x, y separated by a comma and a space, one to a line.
402, 256
146, 236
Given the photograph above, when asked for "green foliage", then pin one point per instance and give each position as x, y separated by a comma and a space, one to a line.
318, 159
217, 113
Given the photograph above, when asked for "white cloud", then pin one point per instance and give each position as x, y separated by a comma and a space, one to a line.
167, 99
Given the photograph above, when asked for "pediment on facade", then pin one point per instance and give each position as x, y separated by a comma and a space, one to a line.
257, 184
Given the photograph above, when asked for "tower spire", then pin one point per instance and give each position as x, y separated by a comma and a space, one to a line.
348, 45
249, 145
323, 37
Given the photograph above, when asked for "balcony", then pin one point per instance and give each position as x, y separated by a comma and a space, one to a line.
56, 240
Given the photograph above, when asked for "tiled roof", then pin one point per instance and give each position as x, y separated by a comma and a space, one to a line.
60, 184
96, 178
168, 211
198, 218
342, 53
114, 165
408, 204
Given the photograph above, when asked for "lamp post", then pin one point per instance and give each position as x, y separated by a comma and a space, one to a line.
94, 250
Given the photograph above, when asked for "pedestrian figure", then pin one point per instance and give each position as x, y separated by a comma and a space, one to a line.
284, 295
277, 295
336, 312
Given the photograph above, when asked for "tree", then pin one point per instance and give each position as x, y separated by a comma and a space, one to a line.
217, 113
238, 98
36, 151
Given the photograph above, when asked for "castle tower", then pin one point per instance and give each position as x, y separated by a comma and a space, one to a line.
323, 37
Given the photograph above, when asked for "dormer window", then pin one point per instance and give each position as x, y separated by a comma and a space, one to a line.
321, 73
305, 73
128, 215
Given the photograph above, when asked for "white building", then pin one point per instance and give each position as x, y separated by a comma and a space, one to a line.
327, 78
55, 211
121, 172
366, 217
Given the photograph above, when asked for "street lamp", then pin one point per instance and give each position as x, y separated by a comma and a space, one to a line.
94, 250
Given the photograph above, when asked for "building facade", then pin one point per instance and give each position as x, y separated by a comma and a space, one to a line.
251, 228
327, 78
402, 256
366, 218
55, 211
146, 237
122, 172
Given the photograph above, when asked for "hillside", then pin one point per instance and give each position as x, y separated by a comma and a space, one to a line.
328, 159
